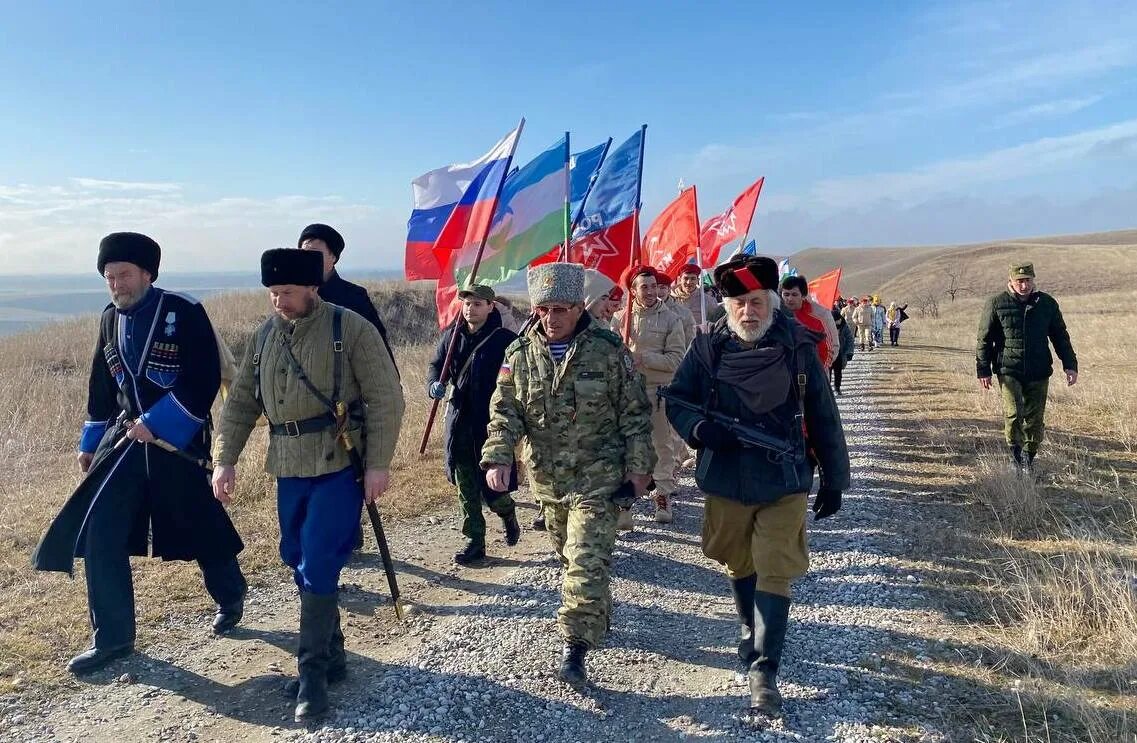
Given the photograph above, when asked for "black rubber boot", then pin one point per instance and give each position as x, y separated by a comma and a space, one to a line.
572, 670
1028, 462
743, 590
473, 553
772, 615
512, 528
318, 616
1017, 459
228, 616
337, 660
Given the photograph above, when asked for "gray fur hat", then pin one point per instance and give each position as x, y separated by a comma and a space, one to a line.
556, 282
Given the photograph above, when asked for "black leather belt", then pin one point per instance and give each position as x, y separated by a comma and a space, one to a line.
315, 424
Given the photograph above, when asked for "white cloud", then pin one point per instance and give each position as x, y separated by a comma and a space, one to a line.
1047, 109
55, 228
97, 184
963, 174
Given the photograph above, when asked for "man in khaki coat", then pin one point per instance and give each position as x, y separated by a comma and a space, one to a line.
303, 361
657, 342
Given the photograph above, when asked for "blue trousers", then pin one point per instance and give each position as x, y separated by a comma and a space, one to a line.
319, 518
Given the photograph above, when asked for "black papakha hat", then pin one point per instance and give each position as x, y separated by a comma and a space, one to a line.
331, 238
130, 247
291, 266
746, 274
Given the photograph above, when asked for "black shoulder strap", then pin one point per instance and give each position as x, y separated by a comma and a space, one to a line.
337, 350
258, 353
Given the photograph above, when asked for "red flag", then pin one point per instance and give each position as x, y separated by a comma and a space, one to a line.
733, 224
609, 251
673, 237
824, 288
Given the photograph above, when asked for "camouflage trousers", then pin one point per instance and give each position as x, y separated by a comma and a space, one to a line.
472, 493
583, 532
1024, 406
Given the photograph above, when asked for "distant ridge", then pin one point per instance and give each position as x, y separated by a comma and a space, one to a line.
1094, 261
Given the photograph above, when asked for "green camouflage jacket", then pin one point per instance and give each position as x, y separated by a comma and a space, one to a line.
587, 420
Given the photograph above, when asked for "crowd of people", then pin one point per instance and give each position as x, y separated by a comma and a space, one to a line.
603, 395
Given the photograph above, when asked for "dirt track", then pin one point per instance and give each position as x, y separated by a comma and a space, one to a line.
475, 660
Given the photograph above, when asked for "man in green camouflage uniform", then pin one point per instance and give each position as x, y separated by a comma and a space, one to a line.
570, 387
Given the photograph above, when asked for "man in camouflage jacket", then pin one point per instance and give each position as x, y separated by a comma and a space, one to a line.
571, 389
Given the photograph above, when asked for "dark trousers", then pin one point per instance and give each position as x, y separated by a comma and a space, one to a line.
110, 588
894, 335
319, 518
472, 491
836, 372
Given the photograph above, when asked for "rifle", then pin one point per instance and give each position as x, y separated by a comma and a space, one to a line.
372, 509
750, 436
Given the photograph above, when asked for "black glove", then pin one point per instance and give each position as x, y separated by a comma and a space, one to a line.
826, 503
716, 437
625, 495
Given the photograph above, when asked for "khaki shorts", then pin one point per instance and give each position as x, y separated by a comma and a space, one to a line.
767, 539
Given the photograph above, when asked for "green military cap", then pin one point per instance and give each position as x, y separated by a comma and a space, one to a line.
1022, 271
481, 291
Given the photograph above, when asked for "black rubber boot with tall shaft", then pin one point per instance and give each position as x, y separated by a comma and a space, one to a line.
318, 615
772, 615
743, 591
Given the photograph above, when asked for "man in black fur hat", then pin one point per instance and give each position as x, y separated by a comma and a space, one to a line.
760, 367
145, 448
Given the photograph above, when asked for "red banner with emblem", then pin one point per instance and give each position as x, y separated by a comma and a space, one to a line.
733, 224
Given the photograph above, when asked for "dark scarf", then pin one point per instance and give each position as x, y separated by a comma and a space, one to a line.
760, 376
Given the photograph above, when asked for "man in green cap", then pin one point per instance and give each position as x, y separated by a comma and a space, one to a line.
571, 389
1014, 331
471, 379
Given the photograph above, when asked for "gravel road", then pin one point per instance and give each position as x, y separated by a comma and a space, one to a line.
476, 659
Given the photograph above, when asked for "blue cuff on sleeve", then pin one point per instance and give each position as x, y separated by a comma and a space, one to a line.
92, 434
169, 420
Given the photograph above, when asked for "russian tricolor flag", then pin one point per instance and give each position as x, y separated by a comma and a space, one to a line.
452, 203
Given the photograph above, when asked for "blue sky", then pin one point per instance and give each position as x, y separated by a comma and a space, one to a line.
221, 129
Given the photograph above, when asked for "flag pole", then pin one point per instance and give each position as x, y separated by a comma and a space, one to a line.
699, 260
634, 252
444, 376
568, 201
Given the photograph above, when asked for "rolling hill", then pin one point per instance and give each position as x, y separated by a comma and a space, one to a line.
1074, 264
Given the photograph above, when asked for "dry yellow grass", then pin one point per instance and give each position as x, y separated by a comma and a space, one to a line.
43, 385
1071, 264
1055, 562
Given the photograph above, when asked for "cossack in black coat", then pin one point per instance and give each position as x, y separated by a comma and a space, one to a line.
171, 389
